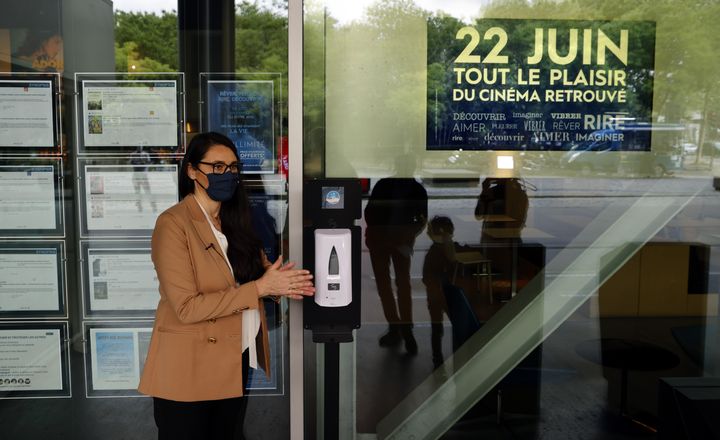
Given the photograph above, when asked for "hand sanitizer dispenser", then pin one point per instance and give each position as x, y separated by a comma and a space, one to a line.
333, 267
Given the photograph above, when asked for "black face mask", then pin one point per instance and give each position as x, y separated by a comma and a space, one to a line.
221, 187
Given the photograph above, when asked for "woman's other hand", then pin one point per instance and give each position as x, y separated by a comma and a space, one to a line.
285, 281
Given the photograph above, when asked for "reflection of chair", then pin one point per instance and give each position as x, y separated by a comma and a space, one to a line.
465, 324
482, 268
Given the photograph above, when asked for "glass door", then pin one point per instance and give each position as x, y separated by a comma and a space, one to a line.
540, 228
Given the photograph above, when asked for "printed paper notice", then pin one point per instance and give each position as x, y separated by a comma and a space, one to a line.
122, 279
128, 197
116, 358
30, 359
130, 113
27, 199
26, 114
29, 280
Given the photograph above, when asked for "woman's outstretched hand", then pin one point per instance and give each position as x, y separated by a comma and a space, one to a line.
285, 281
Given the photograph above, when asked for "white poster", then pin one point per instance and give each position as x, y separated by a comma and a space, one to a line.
27, 199
122, 279
129, 113
29, 280
117, 357
30, 359
128, 197
26, 114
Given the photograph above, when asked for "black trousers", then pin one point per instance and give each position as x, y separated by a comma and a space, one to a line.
203, 420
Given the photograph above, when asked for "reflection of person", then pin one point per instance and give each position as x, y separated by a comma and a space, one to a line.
503, 204
437, 267
213, 275
263, 222
503, 208
395, 214
141, 183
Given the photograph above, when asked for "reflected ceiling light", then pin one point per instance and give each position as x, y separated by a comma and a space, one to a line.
505, 162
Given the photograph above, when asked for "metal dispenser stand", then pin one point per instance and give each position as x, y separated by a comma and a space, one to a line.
332, 204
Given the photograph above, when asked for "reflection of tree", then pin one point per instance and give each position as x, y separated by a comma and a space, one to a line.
128, 59
147, 40
261, 41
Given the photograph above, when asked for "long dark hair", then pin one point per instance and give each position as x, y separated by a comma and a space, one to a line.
243, 245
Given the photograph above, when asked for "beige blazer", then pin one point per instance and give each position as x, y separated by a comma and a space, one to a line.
196, 347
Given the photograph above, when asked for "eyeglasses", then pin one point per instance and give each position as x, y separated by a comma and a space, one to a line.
222, 167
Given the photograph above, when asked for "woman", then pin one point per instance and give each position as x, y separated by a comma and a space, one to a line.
210, 326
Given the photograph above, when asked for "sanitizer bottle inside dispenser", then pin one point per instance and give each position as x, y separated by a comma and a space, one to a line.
333, 286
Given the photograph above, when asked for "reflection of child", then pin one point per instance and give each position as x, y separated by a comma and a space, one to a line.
437, 269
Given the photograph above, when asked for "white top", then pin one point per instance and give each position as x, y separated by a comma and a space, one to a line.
250, 317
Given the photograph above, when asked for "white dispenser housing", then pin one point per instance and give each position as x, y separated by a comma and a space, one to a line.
333, 267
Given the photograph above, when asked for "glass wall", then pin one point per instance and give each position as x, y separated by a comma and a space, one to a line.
98, 101
540, 224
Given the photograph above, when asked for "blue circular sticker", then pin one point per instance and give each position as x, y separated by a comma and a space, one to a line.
332, 197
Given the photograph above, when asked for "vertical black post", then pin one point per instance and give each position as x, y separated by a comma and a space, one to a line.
206, 43
623, 390
332, 391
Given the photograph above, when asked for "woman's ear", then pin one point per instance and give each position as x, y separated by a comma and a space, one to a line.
191, 172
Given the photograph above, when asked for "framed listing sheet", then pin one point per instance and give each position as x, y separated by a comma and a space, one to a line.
31, 198
29, 113
118, 279
126, 112
34, 360
124, 200
115, 357
32, 279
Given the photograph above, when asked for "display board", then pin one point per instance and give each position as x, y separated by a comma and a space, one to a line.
115, 354
129, 112
32, 279
245, 108
35, 360
130, 141
30, 113
118, 279
505, 84
31, 203
123, 200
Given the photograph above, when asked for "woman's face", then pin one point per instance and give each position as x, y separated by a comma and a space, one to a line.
215, 154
